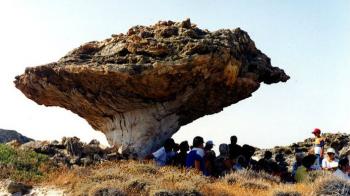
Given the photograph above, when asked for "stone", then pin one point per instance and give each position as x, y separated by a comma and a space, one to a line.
86, 161
18, 188
108, 192
14, 143
74, 146
139, 88
94, 142
33, 145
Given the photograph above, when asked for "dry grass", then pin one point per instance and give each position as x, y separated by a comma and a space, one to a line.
332, 186
137, 178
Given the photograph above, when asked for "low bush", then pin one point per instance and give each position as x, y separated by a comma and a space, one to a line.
286, 193
22, 165
250, 175
255, 185
332, 186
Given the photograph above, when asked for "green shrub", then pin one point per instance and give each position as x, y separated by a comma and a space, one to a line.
21, 165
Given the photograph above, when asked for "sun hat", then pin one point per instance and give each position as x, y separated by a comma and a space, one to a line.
330, 150
316, 130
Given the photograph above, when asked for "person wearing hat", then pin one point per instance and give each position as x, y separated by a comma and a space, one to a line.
319, 143
195, 158
330, 162
343, 169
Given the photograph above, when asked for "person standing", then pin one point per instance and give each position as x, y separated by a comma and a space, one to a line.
234, 149
319, 144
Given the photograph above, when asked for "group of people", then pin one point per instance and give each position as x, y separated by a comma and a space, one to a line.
233, 157
201, 156
317, 159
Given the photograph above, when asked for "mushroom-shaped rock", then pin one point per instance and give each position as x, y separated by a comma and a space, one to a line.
140, 88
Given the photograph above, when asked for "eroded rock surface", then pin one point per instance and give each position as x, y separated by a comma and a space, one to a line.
139, 88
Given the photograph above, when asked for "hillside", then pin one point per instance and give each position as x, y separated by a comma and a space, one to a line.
9, 135
338, 141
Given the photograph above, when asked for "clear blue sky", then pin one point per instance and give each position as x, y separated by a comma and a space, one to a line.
309, 39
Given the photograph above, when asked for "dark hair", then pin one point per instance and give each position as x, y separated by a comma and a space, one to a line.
197, 141
268, 155
169, 144
233, 138
343, 162
184, 147
308, 161
248, 151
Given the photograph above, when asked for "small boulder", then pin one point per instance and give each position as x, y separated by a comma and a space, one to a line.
18, 188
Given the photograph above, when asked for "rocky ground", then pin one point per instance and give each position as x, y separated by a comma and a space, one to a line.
70, 151
10, 188
90, 169
338, 141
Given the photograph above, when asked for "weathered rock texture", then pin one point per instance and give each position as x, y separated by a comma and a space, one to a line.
140, 88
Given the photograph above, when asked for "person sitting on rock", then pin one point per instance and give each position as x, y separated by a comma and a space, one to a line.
319, 144
343, 169
298, 159
264, 164
223, 164
180, 159
302, 173
248, 152
234, 149
239, 163
282, 165
195, 158
165, 154
330, 162
281, 162
209, 157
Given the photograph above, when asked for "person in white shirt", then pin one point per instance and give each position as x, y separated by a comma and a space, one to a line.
343, 168
330, 162
163, 155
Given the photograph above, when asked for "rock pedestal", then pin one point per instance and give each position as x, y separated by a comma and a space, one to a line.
139, 88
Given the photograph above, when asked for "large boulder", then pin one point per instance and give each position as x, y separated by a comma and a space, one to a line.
139, 88
10, 135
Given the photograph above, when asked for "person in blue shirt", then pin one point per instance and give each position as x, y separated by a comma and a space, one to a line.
195, 158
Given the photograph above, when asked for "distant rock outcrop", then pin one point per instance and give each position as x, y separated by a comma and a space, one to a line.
71, 151
10, 135
139, 88
339, 141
